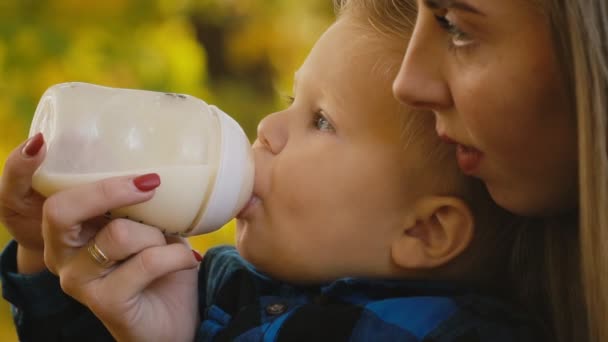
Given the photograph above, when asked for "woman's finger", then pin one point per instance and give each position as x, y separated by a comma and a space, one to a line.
66, 210
116, 242
138, 272
122, 238
16, 181
177, 239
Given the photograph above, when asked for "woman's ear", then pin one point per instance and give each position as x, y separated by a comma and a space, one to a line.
437, 230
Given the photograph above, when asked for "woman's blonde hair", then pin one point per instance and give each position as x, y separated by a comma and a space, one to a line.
581, 33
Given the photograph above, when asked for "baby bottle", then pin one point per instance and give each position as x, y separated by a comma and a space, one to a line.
201, 154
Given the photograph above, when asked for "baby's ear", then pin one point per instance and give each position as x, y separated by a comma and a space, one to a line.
436, 231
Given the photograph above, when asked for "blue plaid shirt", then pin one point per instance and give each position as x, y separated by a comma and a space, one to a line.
238, 303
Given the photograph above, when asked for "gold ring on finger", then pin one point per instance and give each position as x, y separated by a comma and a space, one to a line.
98, 256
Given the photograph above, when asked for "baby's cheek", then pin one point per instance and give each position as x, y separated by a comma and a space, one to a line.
293, 182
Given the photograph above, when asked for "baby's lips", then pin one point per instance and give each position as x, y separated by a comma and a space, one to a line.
243, 213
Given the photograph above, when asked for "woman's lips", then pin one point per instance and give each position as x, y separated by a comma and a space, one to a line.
468, 157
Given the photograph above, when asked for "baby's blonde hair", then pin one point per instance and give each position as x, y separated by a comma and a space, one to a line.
390, 17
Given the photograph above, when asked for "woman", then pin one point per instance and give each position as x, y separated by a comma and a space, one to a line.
522, 88
508, 81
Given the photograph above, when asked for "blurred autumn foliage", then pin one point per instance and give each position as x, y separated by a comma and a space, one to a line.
238, 54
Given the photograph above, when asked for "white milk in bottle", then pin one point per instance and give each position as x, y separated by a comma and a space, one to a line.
202, 155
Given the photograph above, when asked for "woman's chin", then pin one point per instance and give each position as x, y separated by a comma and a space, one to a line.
527, 202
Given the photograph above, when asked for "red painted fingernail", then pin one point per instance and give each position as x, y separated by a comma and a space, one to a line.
147, 182
197, 256
33, 145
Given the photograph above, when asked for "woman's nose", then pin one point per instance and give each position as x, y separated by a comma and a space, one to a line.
421, 82
273, 133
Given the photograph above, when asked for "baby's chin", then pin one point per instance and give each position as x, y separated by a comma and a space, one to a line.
280, 268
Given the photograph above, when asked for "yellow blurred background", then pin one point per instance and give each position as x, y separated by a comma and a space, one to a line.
237, 54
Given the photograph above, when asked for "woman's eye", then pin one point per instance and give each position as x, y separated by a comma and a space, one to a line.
322, 123
458, 38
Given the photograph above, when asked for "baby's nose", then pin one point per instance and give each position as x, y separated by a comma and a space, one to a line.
272, 132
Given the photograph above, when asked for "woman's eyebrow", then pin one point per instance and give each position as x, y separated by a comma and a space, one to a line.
438, 4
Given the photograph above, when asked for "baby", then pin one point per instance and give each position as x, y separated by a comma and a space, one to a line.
360, 227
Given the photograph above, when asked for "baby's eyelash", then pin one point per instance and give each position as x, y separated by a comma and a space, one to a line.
319, 121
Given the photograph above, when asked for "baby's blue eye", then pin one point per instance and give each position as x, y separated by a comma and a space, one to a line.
321, 123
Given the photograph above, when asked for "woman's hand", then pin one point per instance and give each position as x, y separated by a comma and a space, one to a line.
21, 206
150, 293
